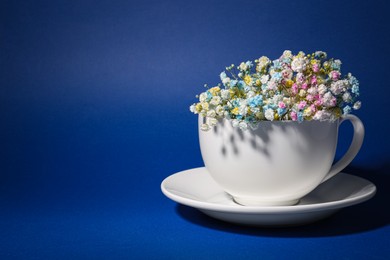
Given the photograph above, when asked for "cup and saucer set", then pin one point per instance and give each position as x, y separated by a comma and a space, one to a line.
280, 174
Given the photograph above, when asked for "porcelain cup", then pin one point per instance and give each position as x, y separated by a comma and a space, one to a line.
279, 162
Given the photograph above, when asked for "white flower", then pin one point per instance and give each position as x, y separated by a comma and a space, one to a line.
192, 108
204, 127
243, 109
324, 115
243, 66
287, 54
269, 114
205, 106
277, 98
298, 64
225, 94
287, 73
226, 81
264, 79
337, 63
263, 62
347, 97
300, 78
250, 94
219, 110
215, 101
212, 121
211, 113
357, 105
322, 89
272, 85
329, 100
202, 97
312, 91
338, 86
321, 54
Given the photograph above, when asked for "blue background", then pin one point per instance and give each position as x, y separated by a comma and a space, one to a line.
94, 100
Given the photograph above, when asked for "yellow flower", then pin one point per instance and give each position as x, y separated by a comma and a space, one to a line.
198, 107
276, 116
289, 83
258, 83
214, 91
307, 111
205, 106
314, 61
247, 79
232, 93
235, 111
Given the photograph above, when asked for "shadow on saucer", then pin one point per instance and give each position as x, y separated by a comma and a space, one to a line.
367, 216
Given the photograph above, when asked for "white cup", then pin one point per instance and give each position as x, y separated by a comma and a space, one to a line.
278, 163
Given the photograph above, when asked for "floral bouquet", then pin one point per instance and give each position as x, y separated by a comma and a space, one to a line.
291, 88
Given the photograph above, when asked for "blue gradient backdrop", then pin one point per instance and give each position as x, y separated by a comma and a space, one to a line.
94, 100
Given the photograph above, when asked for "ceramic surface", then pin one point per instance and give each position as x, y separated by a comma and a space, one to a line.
279, 162
195, 188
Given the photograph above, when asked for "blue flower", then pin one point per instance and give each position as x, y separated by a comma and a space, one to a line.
236, 103
255, 101
209, 96
347, 110
233, 83
277, 64
277, 76
336, 66
286, 60
269, 106
281, 111
241, 84
355, 89
249, 64
300, 116
222, 75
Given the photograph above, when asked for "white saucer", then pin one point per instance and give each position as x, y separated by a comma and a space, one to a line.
195, 188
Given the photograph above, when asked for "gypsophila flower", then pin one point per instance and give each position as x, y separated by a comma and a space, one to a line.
212, 121
357, 105
347, 110
298, 64
204, 127
294, 87
269, 114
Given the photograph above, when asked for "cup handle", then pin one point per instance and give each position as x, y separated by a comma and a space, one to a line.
357, 141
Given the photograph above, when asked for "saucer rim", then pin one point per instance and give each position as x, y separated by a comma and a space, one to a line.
204, 205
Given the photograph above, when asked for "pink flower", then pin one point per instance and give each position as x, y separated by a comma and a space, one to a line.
287, 73
310, 97
301, 105
313, 108
304, 86
335, 75
294, 88
294, 116
281, 104
300, 77
333, 102
314, 80
316, 68
318, 103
